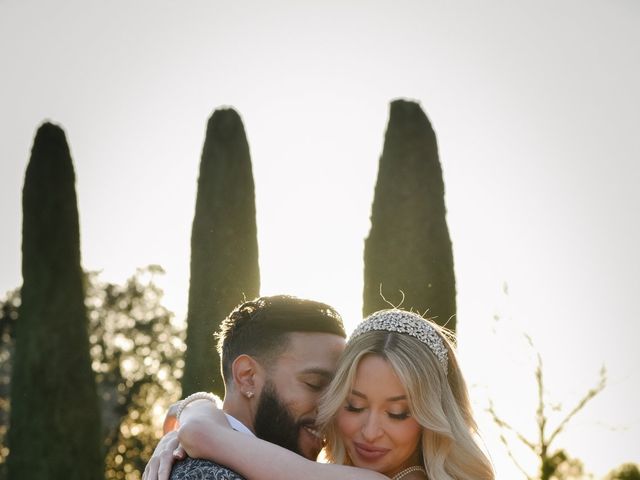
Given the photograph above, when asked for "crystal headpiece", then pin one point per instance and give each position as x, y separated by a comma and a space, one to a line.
401, 321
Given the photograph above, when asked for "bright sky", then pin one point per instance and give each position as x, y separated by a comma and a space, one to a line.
535, 105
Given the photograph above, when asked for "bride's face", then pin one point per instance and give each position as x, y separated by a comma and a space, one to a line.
378, 430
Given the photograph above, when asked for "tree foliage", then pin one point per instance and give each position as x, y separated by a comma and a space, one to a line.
627, 471
137, 356
8, 316
563, 467
224, 246
408, 250
136, 351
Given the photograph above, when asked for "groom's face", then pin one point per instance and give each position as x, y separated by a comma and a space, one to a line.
287, 408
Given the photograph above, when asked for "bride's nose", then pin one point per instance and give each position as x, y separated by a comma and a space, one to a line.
371, 428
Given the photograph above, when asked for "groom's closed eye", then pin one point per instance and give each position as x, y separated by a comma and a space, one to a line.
315, 379
314, 386
315, 382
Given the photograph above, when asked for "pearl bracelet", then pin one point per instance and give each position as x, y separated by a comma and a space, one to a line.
192, 398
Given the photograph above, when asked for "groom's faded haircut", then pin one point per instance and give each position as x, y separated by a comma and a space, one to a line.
260, 328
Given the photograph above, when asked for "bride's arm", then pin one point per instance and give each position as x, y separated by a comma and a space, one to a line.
205, 433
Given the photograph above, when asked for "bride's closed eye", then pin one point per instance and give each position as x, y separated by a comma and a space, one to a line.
349, 407
399, 416
352, 408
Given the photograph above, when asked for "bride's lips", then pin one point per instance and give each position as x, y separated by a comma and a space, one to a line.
369, 452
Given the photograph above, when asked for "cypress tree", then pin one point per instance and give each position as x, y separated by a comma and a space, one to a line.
408, 248
55, 428
224, 247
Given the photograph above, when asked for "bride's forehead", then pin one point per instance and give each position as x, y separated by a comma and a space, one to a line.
376, 374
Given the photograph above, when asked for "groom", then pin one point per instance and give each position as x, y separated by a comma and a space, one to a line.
278, 354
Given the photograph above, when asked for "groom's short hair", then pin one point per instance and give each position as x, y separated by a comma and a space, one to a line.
260, 327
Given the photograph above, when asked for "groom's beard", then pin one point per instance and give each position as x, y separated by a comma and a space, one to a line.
274, 423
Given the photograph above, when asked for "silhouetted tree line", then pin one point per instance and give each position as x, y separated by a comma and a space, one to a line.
92, 365
408, 252
82, 359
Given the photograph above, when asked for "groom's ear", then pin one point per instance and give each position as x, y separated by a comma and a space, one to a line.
248, 374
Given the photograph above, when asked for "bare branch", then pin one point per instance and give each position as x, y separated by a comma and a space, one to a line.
504, 441
581, 404
542, 447
506, 426
541, 417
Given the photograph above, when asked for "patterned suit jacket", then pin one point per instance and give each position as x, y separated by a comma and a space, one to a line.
197, 469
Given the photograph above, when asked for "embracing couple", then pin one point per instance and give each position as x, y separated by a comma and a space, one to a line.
389, 403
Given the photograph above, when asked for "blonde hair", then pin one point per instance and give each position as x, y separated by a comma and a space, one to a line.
438, 400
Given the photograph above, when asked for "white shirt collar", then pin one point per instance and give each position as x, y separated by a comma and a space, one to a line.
238, 425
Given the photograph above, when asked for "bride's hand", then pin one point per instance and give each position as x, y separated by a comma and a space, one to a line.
166, 453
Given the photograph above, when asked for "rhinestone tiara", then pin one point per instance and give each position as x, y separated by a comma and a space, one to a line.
401, 321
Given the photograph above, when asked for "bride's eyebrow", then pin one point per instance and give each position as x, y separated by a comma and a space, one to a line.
390, 399
397, 399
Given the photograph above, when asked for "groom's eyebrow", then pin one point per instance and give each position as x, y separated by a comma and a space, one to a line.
318, 371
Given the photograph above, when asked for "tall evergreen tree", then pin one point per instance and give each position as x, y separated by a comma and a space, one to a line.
224, 246
55, 428
408, 249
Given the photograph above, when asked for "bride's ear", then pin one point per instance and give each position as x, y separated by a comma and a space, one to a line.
247, 375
